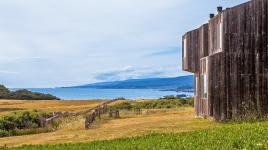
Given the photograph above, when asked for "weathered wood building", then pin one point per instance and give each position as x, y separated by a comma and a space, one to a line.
229, 57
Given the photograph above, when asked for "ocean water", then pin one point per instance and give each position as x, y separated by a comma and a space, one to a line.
89, 93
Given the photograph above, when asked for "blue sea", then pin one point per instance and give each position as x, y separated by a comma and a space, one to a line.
89, 93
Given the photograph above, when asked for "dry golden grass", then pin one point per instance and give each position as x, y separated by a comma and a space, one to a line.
132, 101
8, 106
72, 129
117, 102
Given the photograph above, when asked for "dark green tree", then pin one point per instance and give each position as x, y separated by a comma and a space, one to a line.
4, 92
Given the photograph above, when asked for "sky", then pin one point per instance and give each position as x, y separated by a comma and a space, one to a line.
53, 43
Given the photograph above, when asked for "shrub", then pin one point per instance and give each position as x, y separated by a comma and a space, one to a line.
7, 124
169, 97
170, 102
19, 123
124, 105
4, 92
3, 133
120, 98
191, 101
55, 123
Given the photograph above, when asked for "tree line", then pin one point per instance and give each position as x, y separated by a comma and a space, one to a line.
24, 94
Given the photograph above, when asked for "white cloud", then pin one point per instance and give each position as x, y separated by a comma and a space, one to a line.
66, 42
129, 72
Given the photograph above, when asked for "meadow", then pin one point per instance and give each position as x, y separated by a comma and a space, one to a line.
7, 106
231, 136
157, 127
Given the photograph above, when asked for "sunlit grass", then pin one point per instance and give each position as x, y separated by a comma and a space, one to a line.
230, 136
176, 128
72, 129
47, 106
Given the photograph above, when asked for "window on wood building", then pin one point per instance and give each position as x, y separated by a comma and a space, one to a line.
219, 32
184, 47
196, 85
203, 78
205, 93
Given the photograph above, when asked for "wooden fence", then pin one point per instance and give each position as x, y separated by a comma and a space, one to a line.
97, 111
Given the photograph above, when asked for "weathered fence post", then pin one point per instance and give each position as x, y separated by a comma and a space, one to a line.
97, 111
105, 108
93, 116
110, 114
42, 121
114, 114
137, 111
117, 114
88, 121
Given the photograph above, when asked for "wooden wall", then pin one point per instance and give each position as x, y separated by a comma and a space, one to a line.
197, 47
203, 41
213, 34
191, 59
201, 104
217, 94
238, 76
197, 94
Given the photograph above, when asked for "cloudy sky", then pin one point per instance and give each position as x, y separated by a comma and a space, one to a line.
50, 43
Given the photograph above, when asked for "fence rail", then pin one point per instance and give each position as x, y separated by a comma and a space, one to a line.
97, 111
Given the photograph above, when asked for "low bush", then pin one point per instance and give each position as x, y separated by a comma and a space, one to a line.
19, 123
154, 104
4, 133
124, 105
120, 98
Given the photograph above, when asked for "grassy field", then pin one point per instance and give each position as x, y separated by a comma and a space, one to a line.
72, 129
7, 106
176, 128
231, 136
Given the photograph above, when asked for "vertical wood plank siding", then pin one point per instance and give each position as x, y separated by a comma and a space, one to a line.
203, 39
238, 74
191, 58
197, 48
197, 94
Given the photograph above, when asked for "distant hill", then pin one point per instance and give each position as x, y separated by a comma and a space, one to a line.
176, 83
24, 94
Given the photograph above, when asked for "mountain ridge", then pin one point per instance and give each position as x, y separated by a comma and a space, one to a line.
171, 83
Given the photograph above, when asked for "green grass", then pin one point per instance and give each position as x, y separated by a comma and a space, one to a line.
230, 136
164, 103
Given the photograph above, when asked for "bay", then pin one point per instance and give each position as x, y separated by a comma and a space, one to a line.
91, 94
